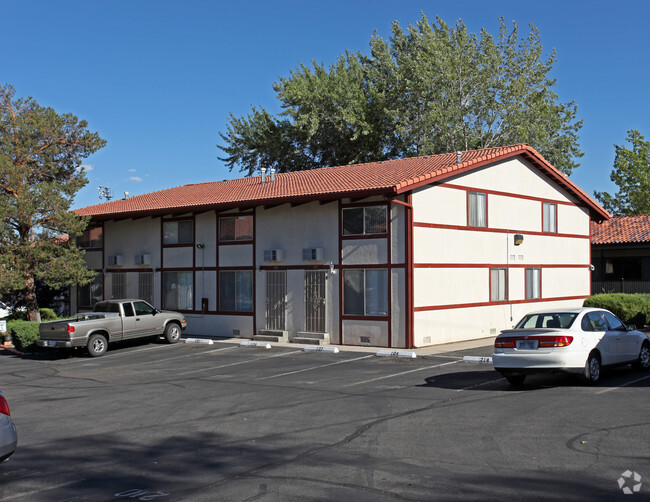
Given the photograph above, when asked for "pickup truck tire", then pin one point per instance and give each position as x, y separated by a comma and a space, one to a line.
172, 332
97, 345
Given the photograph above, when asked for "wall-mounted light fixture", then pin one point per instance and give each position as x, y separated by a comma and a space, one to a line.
519, 239
200, 246
332, 269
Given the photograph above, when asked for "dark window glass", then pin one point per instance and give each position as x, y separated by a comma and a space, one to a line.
364, 220
128, 310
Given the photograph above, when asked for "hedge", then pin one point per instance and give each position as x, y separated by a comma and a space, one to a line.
631, 309
23, 333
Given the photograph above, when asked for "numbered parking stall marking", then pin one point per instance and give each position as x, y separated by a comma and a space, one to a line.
141, 494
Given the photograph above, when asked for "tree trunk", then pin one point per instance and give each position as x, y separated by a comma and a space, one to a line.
31, 302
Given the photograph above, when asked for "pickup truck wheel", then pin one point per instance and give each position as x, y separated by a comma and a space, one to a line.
172, 332
97, 345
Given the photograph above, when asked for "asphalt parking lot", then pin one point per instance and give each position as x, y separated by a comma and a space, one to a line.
202, 422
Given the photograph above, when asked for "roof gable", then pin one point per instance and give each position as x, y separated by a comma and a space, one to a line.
388, 178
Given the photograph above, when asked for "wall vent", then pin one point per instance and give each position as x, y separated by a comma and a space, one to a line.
116, 259
312, 254
143, 259
235, 332
273, 255
364, 339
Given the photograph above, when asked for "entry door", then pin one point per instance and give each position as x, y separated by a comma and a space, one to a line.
276, 299
315, 300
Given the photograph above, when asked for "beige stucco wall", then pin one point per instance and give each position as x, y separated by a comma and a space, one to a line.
455, 262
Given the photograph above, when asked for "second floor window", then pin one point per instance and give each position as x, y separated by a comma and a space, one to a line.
92, 238
476, 209
237, 228
365, 220
178, 232
549, 217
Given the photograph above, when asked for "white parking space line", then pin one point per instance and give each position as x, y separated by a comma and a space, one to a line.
403, 373
46, 489
313, 368
193, 354
239, 362
609, 389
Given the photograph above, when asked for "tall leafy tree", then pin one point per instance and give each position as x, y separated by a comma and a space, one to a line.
40, 172
631, 174
431, 88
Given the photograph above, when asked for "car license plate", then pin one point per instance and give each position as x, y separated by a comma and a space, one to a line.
526, 344
49, 343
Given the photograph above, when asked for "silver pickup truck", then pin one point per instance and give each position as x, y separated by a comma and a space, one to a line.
112, 321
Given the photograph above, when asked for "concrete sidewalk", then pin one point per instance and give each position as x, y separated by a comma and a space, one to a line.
481, 343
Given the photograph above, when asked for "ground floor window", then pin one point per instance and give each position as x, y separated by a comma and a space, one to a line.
178, 289
365, 292
92, 293
236, 290
498, 285
533, 283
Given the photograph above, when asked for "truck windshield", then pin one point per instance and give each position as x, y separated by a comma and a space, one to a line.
107, 307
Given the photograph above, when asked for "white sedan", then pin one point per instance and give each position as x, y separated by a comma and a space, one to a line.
579, 341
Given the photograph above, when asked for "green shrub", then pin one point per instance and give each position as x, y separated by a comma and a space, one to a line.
48, 315
631, 309
23, 333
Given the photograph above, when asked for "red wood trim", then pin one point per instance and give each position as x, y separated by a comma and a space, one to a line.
365, 236
501, 265
496, 230
492, 304
504, 194
409, 337
340, 276
384, 318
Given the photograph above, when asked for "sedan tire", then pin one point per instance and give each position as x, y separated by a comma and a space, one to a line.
643, 362
591, 374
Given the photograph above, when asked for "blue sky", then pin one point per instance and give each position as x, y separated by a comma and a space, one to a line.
157, 79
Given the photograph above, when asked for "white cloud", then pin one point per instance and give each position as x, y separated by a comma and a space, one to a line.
131, 170
135, 179
85, 167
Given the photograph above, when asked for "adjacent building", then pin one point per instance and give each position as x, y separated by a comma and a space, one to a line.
621, 254
401, 253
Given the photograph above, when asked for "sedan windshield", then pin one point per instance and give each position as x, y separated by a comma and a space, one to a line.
562, 320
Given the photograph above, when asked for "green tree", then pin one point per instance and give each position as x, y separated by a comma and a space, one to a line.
429, 89
631, 174
40, 172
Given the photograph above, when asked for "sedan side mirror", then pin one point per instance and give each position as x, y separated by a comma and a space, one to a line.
631, 327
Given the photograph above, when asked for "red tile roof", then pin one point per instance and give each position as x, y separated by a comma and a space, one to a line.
621, 230
389, 178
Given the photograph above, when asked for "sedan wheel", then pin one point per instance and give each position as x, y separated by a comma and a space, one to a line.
643, 362
591, 374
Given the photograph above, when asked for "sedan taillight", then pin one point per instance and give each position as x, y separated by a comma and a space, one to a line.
546, 341
554, 341
4, 407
